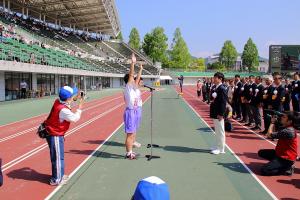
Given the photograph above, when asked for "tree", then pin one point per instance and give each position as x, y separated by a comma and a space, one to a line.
155, 45
134, 39
218, 66
179, 54
228, 54
120, 36
250, 55
198, 64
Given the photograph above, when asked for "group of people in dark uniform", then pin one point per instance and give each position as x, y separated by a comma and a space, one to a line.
271, 100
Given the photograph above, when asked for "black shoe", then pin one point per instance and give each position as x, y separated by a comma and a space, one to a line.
256, 128
263, 132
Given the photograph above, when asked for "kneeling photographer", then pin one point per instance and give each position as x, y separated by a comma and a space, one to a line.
283, 157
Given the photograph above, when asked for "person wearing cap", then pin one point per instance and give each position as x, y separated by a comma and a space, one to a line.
217, 112
57, 124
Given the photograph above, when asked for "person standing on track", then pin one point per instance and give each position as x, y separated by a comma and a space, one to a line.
131, 113
57, 124
296, 92
199, 87
181, 83
217, 112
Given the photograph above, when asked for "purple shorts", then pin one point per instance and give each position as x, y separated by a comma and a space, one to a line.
132, 119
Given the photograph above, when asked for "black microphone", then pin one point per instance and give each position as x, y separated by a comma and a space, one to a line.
149, 87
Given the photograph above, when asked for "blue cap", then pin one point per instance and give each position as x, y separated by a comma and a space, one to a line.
67, 92
151, 188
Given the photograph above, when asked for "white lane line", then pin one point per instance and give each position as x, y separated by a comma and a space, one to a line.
246, 167
35, 128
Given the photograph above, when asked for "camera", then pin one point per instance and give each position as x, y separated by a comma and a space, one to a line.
274, 114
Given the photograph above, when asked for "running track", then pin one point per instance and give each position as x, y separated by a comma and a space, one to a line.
25, 157
245, 143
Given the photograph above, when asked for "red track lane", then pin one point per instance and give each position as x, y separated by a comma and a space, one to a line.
246, 144
30, 140
29, 178
19, 126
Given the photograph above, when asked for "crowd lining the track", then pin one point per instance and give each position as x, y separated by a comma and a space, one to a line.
244, 99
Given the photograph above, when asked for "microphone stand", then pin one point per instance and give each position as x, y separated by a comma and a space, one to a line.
151, 145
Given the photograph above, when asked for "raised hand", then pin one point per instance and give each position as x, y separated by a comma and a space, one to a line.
133, 58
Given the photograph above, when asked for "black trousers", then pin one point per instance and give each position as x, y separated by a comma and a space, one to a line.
237, 108
276, 166
244, 112
256, 115
267, 119
204, 95
296, 106
286, 106
249, 112
23, 93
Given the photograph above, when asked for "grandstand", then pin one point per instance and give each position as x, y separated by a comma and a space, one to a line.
51, 43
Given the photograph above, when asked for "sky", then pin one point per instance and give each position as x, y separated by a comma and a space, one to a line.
207, 24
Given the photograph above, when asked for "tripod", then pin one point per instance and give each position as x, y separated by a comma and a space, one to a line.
151, 145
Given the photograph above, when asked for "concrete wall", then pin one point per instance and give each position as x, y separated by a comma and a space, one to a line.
34, 81
2, 86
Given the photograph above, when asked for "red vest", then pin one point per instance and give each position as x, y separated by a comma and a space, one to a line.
53, 124
287, 148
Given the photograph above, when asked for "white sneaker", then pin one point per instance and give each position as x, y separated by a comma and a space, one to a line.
222, 152
136, 144
216, 151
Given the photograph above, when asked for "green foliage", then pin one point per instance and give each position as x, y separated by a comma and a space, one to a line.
198, 64
155, 45
250, 56
218, 66
179, 54
228, 54
120, 36
134, 39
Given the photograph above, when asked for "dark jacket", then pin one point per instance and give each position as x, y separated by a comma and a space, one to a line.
277, 100
237, 92
218, 105
257, 96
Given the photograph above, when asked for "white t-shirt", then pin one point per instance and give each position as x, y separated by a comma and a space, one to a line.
139, 97
130, 96
23, 85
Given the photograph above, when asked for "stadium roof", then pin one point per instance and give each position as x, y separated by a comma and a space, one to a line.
92, 15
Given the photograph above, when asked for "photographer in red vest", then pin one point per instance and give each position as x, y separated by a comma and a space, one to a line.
281, 159
57, 125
